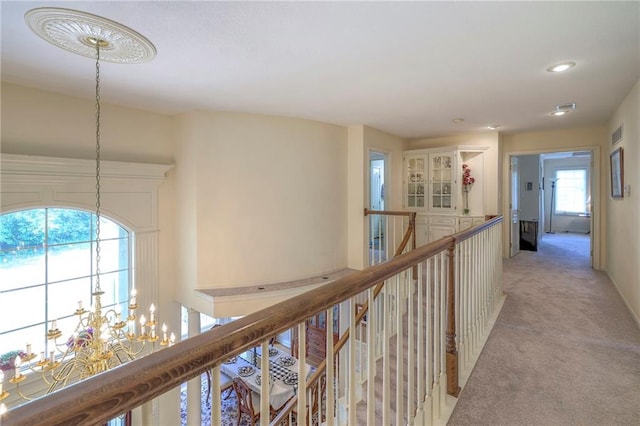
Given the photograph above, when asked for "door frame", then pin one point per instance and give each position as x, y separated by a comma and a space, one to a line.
597, 206
514, 206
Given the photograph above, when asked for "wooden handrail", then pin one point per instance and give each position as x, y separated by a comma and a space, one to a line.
389, 212
97, 399
468, 233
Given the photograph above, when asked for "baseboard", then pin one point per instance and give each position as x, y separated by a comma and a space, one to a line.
635, 316
464, 376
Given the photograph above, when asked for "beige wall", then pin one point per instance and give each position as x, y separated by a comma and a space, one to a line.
623, 236
491, 158
35, 122
362, 141
269, 198
592, 138
356, 166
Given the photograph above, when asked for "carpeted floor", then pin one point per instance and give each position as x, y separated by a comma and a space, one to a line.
564, 351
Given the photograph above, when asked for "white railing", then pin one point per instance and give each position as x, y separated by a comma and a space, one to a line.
410, 326
417, 310
479, 293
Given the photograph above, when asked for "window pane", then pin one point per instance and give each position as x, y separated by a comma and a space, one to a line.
110, 229
22, 229
114, 255
21, 308
18, 339
115, 287
69, 261
22, 269
571, 194
60, 270
64, 297
60, 231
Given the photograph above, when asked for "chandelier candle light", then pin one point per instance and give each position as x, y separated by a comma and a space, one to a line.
467, 183
101, 339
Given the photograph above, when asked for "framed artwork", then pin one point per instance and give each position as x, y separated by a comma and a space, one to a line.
616, 161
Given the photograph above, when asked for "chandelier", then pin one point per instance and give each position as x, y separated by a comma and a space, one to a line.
102, 338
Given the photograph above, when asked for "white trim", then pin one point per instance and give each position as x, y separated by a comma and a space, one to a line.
13, 165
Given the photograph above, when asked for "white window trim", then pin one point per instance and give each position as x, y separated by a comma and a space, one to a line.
129, 196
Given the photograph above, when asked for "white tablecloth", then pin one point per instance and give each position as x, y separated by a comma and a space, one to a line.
280, 392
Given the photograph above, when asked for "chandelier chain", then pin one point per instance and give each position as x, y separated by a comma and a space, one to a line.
101, 339
97, 288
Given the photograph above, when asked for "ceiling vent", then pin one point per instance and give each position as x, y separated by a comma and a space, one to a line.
566, 107
616, 136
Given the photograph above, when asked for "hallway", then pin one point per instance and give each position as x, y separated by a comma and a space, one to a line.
564, 351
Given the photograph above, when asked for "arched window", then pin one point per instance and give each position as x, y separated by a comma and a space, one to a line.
47, 267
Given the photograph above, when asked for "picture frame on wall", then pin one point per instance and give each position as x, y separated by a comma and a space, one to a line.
616, 162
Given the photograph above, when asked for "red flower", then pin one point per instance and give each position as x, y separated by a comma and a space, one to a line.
467, 179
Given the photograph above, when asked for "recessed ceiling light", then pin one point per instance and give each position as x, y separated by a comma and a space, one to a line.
558, 113
458, 120
493, 126
561, 67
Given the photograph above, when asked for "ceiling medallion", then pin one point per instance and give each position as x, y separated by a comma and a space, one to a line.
79, 32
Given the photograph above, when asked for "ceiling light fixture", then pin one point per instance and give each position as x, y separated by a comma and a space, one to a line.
493, 126
458, 120
102, 339
563, 66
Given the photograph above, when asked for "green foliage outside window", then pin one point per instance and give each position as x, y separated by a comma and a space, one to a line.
27, 228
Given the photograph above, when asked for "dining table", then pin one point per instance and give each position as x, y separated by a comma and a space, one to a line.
283, 372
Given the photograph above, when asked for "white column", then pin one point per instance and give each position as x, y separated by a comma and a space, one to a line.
194, 389
145, 275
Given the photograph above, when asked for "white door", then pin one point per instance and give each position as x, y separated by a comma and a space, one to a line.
515, 222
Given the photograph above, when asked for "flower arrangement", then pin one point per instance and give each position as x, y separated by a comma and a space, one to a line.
81, 340
467, 181
7, 359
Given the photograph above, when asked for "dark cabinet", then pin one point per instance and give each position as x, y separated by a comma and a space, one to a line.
529, 235
316, 338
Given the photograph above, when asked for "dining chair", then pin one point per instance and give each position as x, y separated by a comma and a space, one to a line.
317, 401
248, 401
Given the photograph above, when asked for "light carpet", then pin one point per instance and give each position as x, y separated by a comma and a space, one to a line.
564, 351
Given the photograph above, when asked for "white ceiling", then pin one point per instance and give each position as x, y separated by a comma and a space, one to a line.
407, 68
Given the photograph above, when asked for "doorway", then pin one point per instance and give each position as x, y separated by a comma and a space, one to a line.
553, 195
377, 174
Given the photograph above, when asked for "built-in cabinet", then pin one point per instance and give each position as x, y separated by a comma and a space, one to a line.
316, 336
433, 188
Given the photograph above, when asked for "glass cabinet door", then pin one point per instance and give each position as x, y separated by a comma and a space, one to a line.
441, 181
416, 180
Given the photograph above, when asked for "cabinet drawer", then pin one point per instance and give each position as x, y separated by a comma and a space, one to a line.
478, 220
465, 223
442, 220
